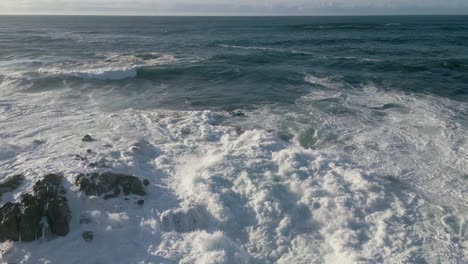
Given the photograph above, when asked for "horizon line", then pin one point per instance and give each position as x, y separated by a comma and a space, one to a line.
228, 15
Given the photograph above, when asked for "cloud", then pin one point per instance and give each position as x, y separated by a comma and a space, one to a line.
300, 7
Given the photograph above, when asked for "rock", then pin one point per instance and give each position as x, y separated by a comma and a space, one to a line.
141, 202
88, 236
58, 216
30, 226
237, 113
11, 184
99, 164
109, 184
10, 215
146, 182
87, 138
79, 157
185, 131
46, 206
239, 130
38, 142
285, 136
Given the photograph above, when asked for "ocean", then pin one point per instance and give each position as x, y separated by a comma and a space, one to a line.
264, 139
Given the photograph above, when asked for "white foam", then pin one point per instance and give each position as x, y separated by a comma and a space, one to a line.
113, 67
219, 197
99, 74
327, 82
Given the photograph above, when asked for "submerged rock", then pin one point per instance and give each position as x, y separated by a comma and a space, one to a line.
11, 184
25, 220
99, 164
236, 113
87, 138
88, 236
109, 184
285, 136
146, 182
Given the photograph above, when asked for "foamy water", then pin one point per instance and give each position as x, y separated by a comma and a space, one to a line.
313, 165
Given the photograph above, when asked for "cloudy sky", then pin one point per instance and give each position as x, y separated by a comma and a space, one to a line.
233, 7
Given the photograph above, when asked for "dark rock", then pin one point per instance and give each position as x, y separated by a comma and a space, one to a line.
114, 194
89, 151
185, 131
25, 219
88, 236
10, 215
109, 184
146, 182
79, 157
237, 113
87, 138
285, 136
141, 202
11, 184
99, 164
30, 226
58, 216
239, 130
84, 220
38, 142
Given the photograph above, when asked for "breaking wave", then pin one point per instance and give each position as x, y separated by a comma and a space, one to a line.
112, 68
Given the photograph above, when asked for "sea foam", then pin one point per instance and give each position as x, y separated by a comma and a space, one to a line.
216, 196
113, 67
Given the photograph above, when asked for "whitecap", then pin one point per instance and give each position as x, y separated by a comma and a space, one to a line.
112, 67
326, 81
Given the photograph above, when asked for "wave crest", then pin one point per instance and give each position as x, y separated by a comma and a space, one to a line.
116, 67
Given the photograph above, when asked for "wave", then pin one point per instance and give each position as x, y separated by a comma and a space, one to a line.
335, 26
264, 48
218, 194
241, 187
358, 59
308, 27
99, 74
328, 82
114, 67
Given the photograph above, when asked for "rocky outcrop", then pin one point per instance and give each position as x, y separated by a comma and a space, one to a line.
109, 185
10, 216
44, 210
87, 138
11, 184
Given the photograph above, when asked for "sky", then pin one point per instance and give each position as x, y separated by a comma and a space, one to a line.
234, 7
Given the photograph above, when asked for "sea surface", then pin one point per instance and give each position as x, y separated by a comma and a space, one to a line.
265, 139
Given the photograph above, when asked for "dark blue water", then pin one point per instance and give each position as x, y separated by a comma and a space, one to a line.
237, 62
